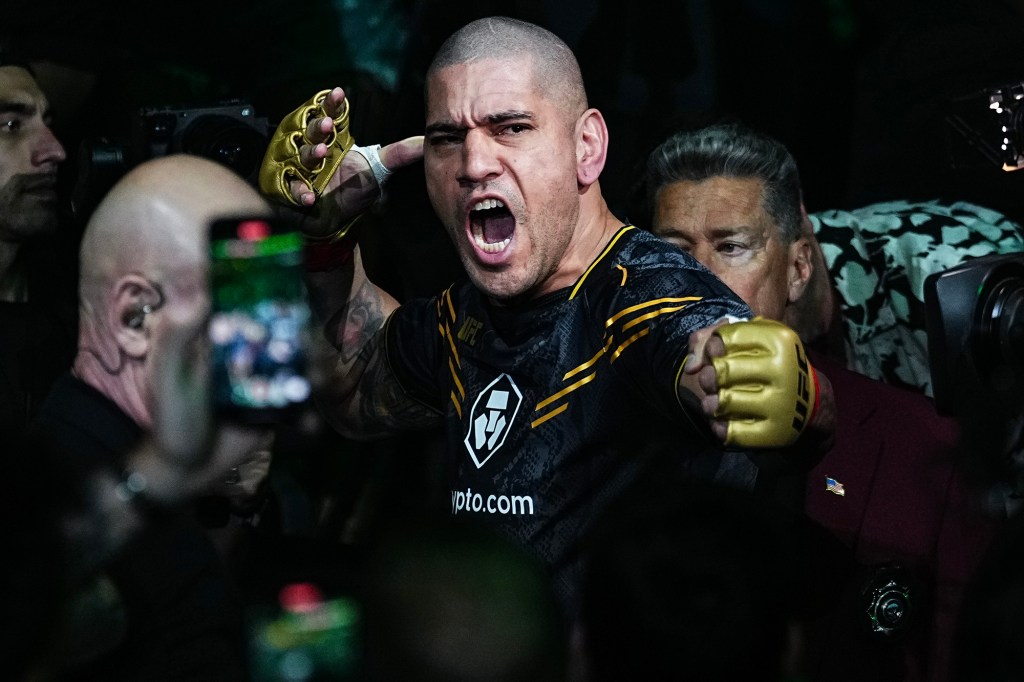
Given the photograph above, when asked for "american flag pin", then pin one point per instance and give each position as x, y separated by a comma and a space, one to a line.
834, 486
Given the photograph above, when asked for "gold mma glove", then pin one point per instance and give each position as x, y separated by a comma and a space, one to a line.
767, 388
281, 163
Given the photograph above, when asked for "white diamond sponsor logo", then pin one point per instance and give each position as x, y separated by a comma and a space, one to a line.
492, 415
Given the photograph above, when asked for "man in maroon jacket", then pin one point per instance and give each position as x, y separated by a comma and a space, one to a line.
890, 489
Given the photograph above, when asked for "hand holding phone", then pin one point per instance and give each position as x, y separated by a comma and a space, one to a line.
259, 327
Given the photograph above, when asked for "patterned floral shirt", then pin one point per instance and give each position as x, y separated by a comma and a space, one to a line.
879, 257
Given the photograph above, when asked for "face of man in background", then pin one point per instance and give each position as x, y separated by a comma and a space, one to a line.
722, 223
29, 156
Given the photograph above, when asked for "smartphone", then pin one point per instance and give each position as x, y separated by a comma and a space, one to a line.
260, 321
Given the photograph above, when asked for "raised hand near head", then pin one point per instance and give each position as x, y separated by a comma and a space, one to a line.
308, 164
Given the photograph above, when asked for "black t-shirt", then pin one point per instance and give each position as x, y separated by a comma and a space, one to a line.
184, 616
553, 407
37, 337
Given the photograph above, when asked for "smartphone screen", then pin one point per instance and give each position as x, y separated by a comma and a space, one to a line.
260, 320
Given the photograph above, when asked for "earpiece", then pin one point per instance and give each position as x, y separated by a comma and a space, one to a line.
135, 318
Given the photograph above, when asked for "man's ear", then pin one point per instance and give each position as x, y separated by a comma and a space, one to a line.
799, 269
591, 147
134, 299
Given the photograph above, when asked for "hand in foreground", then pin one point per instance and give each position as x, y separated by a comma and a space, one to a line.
243, 486
759, 390
185, 452
308, 162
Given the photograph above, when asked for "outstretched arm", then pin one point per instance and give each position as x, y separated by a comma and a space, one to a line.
758, 390
310, 165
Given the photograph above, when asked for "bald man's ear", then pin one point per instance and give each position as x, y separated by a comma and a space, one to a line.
800, 268
591, 147
134, 299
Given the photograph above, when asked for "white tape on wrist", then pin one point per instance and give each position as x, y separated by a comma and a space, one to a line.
372, 156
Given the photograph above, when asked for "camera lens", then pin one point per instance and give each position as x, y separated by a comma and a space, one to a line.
1000, 332
1010, 316
227, 141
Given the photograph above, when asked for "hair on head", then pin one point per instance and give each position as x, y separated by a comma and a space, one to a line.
729, 150
555, 68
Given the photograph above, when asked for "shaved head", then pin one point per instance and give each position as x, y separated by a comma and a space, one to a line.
155, 220
555, 69
146, 247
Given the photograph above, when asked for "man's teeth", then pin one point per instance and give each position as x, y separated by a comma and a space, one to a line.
485, 204
487, 247
478, 231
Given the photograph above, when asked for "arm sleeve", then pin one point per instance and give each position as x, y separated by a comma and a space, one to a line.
662, 309
414, 351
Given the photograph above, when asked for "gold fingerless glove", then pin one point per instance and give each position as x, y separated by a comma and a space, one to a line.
281, 163
767, 391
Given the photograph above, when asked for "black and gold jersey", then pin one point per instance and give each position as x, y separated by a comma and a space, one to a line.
553, 407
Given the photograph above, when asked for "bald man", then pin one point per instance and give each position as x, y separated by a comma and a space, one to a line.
143, 295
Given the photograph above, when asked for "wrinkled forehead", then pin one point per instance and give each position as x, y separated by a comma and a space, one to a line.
715, 202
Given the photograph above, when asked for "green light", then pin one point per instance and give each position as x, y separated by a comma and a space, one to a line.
271, 246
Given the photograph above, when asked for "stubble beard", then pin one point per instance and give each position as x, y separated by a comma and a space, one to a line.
24, 216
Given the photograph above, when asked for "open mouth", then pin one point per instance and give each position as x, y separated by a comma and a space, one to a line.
491, 225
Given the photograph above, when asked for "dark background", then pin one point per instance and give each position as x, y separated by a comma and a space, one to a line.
857, 89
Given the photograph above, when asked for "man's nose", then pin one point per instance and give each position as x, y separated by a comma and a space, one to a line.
480, 160
47, 148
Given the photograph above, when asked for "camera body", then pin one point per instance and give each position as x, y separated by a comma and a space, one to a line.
228, 132
975, 323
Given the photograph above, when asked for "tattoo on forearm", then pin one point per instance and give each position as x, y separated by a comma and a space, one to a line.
358, 322
362, 372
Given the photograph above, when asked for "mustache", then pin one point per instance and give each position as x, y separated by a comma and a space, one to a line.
29, 182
